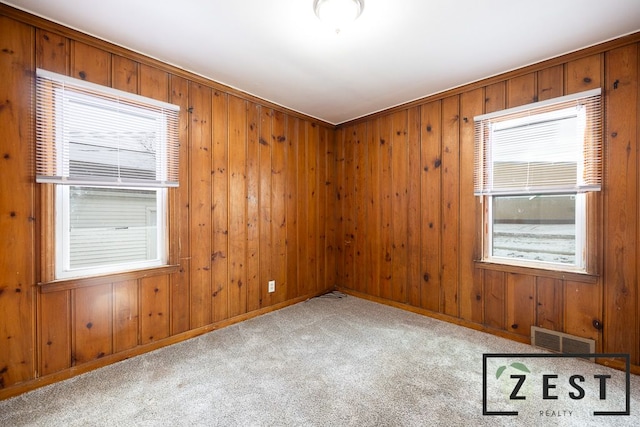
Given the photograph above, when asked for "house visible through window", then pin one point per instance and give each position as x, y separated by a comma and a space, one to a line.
534, 166
111, 156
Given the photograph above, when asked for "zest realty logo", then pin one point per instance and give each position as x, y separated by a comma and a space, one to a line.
516, 383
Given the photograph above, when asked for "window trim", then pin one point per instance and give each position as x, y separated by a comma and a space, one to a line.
56, 285
52, 272
575, 276
587, 212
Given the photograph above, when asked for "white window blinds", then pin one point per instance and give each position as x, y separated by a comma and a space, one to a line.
553, 146
88, 134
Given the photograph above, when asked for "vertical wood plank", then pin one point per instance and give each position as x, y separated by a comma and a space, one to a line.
400, 206
313, 136
304, 147
414, 230
92, 323
52, 52
386, 191
124, 74
323, 185
154, 83
90, 63
293, 126
621, 202
360, 191
154, 306
637, 122
266, 119
449, 303
348, 203
495, 97
125, 315
494, 299
471, 105
550, 303
17, 216
431, 178
55, 333
584, 74
520, 303
253, 212
200, 205
179, 218
278, 208
330, 211
374, 209
583, 306
521, 90
550, 82
237, 206
220, 207
341, 210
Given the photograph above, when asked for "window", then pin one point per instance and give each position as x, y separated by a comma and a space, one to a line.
534, 167
111, 156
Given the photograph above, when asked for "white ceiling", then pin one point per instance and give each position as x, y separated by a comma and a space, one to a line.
397, 51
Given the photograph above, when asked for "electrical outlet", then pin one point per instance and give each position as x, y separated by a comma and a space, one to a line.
272, 286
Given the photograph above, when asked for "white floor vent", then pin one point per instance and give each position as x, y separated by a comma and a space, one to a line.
560, 342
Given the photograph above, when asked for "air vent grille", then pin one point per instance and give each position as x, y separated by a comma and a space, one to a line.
560, 342
548, 341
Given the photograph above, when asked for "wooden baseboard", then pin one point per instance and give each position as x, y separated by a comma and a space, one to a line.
438, 316
615, 364
27, 386
619, 365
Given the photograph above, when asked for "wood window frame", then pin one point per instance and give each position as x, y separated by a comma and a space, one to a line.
46, 224
590, 270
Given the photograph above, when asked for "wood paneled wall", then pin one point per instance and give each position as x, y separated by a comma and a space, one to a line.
253, 205
382, 207
411, 226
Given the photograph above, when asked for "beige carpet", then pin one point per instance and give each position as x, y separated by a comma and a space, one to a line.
330, 361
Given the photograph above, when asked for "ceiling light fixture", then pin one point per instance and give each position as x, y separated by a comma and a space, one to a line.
338, 13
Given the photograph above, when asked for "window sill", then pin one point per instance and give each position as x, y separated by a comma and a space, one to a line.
555, 274
81, 282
